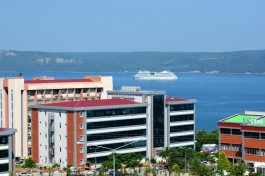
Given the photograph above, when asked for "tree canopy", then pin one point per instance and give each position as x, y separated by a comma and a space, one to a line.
223, 164
203, 137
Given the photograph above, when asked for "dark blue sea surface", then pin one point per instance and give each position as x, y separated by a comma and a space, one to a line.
218, 96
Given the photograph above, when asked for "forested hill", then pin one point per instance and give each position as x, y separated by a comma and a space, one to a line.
223, 62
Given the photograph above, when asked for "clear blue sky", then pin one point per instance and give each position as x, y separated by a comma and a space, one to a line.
132, 25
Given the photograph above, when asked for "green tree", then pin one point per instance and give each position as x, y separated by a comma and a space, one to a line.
223, 164
109, 162
255, 174
179, 155
131, 160
56, 165
29, 163
152, 160
165, 154
202, 137
238, 169
199, 169
147, 171
175, 169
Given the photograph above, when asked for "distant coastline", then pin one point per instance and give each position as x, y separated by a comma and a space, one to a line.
237, 62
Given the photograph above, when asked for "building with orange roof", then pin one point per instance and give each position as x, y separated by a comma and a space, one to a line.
16, 94
130, 120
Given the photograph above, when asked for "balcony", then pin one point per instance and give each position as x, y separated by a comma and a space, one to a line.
52, 139
39, 96
30, 97
71, 95
51, 128
254, 158
52, 151
63, 96
48, 96
254, 143
231, 139
92, 94
233, 154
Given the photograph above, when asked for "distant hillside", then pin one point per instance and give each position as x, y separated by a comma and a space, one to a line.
223, 62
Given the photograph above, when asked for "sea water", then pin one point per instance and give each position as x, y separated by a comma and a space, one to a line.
218, 95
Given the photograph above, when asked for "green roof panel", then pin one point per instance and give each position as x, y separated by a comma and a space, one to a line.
241, 118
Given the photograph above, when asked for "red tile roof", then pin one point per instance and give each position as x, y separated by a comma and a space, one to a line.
93, 103
57, 81
3, 129
175, 99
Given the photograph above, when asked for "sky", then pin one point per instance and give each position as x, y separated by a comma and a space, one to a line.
132, 25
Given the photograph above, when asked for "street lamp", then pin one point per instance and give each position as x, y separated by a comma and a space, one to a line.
115, 149
185, 159
95, 156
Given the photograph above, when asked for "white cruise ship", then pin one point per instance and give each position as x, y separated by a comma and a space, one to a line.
164, 75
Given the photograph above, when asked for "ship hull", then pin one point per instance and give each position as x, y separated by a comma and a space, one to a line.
164, 75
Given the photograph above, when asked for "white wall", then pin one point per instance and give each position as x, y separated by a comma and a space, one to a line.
16, 115
43, 140
60, 138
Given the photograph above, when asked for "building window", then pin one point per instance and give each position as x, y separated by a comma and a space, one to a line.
60, 149
81, 150
236, 132
81, 161
60, 125
81, 126
252, 135
81, 138
60, 137
4, 168
81, 114
3, 140
225, 131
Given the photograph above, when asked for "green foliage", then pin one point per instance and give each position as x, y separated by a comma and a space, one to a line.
202, 137
199, 169
67, 169
178, 155
154, 172
109, 162
152, 160
29, 163
101, 171
56, 165
238, 169
131, 160
175, 169
147, 171
165, 154
223, 164
255, 174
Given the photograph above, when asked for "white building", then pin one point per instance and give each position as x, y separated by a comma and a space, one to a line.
77, 131
16, 94
7, 151
69, 132
171, 121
